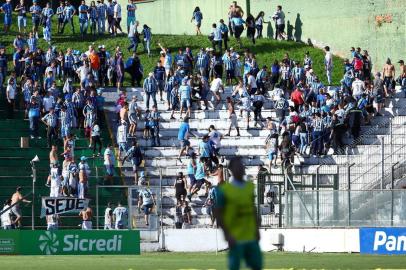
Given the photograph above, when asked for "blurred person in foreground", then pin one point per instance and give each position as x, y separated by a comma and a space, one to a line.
236, 215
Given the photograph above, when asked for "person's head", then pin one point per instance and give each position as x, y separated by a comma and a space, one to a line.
211, 128
180, 174
154, 108
62, 3
278, 7
197, 9
221, 21
186, 119
401, 62
327, 48
7, 202
83, 2
48, 5
135, 143
19, 189
93, 4
236, 166
119, 204
214, 25
109, 204
378, 74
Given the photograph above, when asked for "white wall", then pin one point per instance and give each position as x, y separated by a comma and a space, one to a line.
295, 240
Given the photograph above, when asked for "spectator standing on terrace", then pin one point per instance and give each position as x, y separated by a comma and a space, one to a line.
197, 17
136, 157
146, 32
183, 137
68, 12
216, 37
54, 181
84, 173
120, 217
7, 9
388, 77
108, 217
328, 64
242, 236
83, 18
101, 16
47, 14
146, 202
117, 17
131, 18
180, 188
109, 161
6, 221
11, 93
22, 17
279, 18
16, 210
60, 15
51, 121
87, 216
150, 88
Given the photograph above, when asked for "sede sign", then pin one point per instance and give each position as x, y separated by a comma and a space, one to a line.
69, 242
60, 205
382, 240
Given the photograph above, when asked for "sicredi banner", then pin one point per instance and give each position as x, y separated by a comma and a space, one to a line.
60, 205
382, 240
69, 242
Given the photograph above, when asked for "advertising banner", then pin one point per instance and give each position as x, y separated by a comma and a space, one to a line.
382, 240
60, 205
69, 242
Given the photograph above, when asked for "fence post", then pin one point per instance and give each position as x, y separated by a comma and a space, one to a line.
383, 160
349, 192
280, 206
318, 196
392, 187
97, 206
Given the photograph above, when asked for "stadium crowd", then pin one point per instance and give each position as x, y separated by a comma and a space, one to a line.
311, 117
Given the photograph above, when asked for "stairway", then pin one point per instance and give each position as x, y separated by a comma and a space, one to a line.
162, 161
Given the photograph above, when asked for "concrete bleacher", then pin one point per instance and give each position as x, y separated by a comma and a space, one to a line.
161, 162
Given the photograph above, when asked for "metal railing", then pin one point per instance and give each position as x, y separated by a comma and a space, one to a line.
339, 208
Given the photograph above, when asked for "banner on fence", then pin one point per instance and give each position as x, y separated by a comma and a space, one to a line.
61, 205
382, 240
69, 242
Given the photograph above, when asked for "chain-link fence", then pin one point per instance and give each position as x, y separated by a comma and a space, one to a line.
340, 208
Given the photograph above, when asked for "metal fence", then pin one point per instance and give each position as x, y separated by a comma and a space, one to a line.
339, 208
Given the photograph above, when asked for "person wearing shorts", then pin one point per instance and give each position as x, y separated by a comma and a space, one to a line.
15, 210
136, 158
87, 215
238, 23
185, 93
146, 202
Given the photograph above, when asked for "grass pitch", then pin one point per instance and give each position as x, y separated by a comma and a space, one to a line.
171, 261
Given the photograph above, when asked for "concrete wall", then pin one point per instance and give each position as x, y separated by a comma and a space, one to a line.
378, 26
295, 240
173, 16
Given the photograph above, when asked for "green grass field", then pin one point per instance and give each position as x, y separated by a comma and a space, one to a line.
151, 261
267, 50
